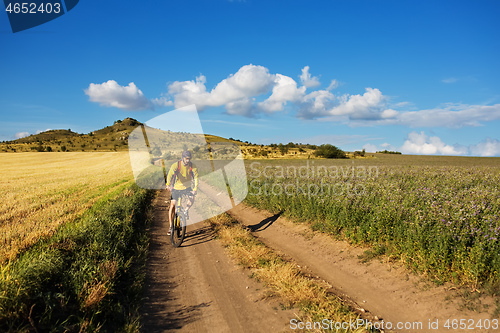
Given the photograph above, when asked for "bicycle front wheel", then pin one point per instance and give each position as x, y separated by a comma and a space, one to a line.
177, 235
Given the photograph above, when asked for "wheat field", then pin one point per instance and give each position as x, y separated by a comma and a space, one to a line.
42, 191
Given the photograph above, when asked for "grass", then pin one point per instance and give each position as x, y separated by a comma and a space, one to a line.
87, 277
373, 253
283, 278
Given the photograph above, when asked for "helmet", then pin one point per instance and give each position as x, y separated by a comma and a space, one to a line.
186, 153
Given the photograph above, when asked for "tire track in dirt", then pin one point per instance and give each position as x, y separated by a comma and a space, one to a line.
383, 289
197, 288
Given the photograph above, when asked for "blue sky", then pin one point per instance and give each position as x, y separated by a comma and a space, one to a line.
415, 76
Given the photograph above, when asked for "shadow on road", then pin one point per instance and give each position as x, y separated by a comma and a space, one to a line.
264, 224
174, 319
198, 236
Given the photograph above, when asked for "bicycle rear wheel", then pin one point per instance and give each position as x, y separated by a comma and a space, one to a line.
177, 235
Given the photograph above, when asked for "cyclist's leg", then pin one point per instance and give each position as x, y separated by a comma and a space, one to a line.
171, 212
190, 198
190, 202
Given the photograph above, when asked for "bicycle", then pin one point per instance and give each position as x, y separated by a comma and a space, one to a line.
178, 232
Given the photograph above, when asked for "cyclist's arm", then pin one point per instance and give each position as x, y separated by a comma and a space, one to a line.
195, 180
171, 174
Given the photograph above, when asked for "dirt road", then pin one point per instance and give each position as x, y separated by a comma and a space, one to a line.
196, 288
387, 291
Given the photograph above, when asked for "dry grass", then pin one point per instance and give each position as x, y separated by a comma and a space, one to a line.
93, 293
284, 278
41, 191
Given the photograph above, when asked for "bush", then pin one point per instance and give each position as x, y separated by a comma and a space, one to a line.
389, 152
359, 153
156, 151
283, 149
329, 151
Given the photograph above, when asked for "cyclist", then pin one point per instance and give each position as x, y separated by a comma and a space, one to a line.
182, 179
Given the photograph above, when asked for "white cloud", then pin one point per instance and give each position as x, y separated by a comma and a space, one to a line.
242, 107
316, 104
111, 94
383, 146
189, 92
420, 143
402, 104
367, 107
249, 81
359, 109
389, 114
450, 80
162, 101
41, 131
307, 80
284, 90
333, 85
20, 135
246, 92
371, 148
388, 146
237, 92
449, 116
488, 147
454, 116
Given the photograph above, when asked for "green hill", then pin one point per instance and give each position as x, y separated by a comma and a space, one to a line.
115, 138
110, 138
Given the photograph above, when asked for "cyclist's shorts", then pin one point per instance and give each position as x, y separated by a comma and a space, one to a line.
176, 194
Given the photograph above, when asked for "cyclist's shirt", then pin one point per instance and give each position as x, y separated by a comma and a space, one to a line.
183, 177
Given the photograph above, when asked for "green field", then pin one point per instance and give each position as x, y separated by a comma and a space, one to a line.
439, 215
73, 242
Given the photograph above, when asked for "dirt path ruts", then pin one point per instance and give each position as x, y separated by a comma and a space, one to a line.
383, 289
196, 288
386, 290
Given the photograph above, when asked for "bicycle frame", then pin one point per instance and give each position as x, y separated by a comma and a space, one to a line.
178, 231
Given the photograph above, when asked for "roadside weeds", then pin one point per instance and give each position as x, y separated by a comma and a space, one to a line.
284, 278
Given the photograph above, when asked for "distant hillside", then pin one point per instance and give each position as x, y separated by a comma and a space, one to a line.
111, 138
115, 138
